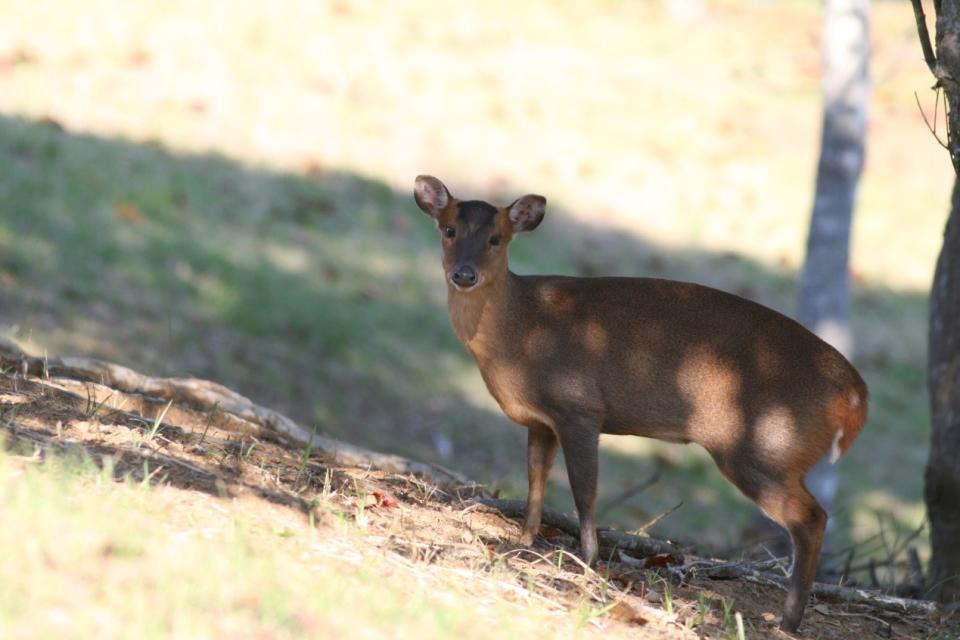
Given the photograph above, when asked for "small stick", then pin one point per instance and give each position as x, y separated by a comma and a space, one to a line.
656, 519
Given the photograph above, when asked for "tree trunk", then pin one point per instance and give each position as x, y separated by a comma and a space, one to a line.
942, 488
824, 302
942, 479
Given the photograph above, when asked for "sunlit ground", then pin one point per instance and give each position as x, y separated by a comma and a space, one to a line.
294, 266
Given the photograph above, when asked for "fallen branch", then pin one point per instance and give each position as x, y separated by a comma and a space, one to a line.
850, 595
607, 539
879, 600
714, 569
234, 412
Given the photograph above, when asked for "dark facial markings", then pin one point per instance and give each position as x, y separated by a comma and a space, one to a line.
475, 214
475, 227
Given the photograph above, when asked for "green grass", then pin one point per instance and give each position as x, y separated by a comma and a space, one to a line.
252, 222
100, 557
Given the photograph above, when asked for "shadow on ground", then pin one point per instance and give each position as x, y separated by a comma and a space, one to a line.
320, 294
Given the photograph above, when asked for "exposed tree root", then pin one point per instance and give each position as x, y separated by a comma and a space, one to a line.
95, 381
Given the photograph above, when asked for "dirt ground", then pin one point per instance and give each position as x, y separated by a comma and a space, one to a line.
422, 524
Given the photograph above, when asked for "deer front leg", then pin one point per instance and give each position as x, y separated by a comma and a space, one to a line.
580, 441
541, 450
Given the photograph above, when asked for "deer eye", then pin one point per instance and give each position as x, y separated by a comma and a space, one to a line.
449, 232
494, 240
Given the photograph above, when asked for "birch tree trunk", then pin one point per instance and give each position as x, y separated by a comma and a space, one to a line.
824, 302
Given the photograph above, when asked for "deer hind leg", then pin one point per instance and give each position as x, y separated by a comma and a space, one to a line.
786, 500
795, 509
541, 450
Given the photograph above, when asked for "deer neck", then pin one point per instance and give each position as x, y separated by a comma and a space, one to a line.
478, 316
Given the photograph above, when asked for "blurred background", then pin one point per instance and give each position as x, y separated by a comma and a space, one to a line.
222, 190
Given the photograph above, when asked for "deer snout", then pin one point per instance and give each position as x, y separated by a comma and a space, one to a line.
464, 276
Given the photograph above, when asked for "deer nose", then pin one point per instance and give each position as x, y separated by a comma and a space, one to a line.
464, 276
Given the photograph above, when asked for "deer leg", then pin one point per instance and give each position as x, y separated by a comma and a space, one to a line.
794, 508
580, 441
786, 501
541, 450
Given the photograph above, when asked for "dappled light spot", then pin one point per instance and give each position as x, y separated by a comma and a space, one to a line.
772, 434
595, 338
555, 301
711, 388
287, 258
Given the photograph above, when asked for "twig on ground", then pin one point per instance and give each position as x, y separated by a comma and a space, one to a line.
657, 518
607, 539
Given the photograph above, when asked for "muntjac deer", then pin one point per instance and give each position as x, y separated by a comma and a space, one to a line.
571, 358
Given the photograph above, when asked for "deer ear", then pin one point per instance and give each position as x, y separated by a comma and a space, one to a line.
527, 212
431, 196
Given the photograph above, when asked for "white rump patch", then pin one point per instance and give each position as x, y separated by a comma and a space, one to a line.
835, 449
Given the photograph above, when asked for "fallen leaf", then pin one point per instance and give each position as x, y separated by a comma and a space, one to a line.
549, 532
822, 609
625, 613
662, 560
128, 212
384, 500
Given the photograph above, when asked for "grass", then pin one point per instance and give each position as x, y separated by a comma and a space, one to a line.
148, 437
102, 557
229, 198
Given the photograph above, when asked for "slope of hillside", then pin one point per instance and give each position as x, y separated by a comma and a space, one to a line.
135, 507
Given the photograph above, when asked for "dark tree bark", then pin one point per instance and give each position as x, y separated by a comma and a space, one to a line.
824, 302
942, 486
